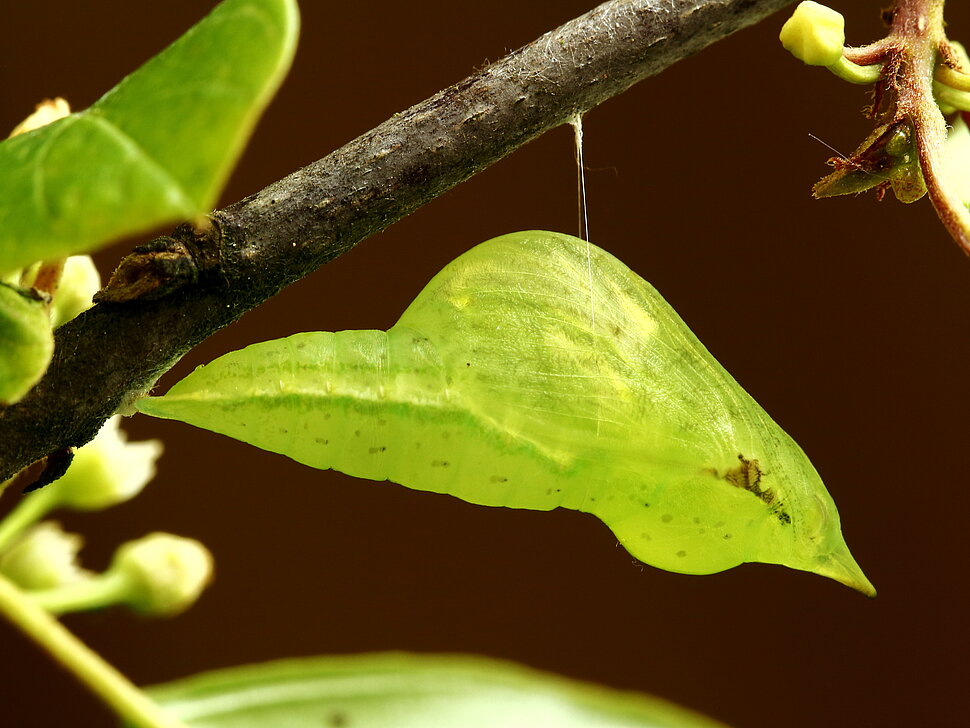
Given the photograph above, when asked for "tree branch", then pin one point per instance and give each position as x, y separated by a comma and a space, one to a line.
170, 295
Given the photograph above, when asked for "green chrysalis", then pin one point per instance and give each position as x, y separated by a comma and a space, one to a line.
538, 371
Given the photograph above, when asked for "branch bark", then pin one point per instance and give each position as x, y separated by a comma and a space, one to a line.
170, 295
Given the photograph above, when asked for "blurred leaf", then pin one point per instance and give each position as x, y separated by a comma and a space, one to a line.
26, 342
396, 690
957, 155
156, 149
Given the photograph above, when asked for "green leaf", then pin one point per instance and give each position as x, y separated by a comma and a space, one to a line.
26, 342
154, 150
409, 691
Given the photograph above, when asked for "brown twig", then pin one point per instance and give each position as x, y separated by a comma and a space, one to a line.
918, 36
191, 284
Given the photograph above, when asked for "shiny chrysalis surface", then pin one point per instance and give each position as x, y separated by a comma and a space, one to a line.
538, 371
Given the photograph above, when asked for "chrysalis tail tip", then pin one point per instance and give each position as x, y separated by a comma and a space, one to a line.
844, 569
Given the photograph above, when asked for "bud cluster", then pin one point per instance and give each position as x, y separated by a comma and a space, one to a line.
159, 574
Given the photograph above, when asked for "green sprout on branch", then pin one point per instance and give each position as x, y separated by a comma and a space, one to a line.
919, 78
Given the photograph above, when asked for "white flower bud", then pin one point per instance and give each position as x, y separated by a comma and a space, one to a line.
45, 112
79, 282
45, 557
814, 34
165, 574
108, 470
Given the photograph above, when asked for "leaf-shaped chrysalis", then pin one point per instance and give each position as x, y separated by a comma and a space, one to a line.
538, 371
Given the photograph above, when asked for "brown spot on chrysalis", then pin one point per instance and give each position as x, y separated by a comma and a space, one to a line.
748, 476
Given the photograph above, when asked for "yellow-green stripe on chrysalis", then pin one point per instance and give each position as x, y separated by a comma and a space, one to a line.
538, 371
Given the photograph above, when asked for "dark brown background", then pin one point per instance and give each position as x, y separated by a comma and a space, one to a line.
846, 319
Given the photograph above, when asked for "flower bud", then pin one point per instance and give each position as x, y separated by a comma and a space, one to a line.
79, 282
164, 574
108, 470
45, 112
45, 557
814, 34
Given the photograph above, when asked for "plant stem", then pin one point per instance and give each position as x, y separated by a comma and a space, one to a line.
112, 353
99, 591
28, 511
918, 35
102, 679
854, 73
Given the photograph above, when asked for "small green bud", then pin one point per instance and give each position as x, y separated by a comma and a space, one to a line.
164, 574
106, 471
814, 34
79, 282
45, 557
